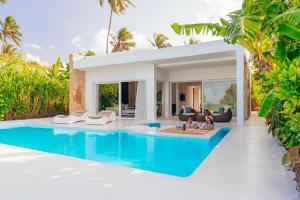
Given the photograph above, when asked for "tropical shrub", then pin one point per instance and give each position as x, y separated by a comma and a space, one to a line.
270, 31
28, 90
3, 106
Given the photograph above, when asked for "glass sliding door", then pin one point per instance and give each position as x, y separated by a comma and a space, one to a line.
219, 94
159, 98
109, 97
128, 98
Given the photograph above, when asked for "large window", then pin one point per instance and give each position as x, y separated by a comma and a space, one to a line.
125, 98
218, 94
109, 97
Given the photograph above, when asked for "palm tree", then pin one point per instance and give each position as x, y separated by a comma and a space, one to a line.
8, 50
192, 41
90, 53
122, 41
56, 68
160, 41
10, 31
118, 7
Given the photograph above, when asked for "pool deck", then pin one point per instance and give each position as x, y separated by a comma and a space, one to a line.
245, 165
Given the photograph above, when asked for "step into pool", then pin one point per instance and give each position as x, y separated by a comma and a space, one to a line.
177, 156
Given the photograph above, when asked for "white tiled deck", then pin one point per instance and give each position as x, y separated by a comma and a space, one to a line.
245, 165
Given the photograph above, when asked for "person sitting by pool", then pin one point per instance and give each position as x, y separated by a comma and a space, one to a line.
208, 124
190, 124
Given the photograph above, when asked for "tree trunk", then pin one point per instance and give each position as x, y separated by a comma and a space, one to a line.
108, 31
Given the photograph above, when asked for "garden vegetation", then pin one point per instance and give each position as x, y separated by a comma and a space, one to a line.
270, 31
28, 89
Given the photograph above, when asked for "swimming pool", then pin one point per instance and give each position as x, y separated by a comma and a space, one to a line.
177, 156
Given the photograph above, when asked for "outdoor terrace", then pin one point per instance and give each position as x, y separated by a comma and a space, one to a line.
245, 165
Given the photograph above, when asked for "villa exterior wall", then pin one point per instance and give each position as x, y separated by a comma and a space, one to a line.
217, 61
203, 73
121, 73
77, 87
247, 92
161, 75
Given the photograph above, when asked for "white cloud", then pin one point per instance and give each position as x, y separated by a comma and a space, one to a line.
141, 40
35, 46
77, 41
30, 57
51, 46
214, 13
99, 41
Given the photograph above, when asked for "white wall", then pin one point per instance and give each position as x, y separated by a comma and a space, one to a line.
203, 73
161, 75
150, 74
113, 74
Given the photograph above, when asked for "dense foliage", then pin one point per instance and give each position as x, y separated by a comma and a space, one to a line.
270, 31
29, 90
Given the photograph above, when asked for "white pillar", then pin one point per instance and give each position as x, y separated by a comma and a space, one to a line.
151, 98
240, 85
177, 98
120, 99
90, 97
166, 101
96, 98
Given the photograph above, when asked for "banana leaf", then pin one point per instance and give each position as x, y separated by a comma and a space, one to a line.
267, 104
290, 31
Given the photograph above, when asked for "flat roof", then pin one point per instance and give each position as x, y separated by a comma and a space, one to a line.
212, 50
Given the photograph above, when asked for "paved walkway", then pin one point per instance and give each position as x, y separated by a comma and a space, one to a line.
246, 165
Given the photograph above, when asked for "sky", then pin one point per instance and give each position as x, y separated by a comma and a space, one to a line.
53, 28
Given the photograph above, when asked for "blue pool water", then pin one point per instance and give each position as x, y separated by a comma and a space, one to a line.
176, 156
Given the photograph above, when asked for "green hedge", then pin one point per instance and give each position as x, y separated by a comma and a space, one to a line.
28, 90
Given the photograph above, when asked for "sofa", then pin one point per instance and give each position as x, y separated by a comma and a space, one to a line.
201, 117
184, 117
225, 117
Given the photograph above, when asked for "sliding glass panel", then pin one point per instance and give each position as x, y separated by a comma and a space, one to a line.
159, 98
109, 97
219, 95
128, 99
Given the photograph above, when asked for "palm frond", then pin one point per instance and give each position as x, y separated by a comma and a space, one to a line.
3, 1
122, 41
118, 6
192, 41
10, 31
160, 41
9, 50
291, 16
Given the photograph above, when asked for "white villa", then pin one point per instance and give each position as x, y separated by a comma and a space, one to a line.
156, 83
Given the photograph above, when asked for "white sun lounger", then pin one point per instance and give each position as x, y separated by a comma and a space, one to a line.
78, 116
101, 118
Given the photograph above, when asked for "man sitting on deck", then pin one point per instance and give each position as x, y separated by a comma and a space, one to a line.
190, 124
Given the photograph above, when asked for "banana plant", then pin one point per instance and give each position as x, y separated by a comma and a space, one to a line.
267, 104
270, 31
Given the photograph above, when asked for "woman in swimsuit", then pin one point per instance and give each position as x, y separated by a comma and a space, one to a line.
209, 124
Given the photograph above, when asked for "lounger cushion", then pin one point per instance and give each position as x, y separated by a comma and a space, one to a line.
187, 109
221, 110
189, 114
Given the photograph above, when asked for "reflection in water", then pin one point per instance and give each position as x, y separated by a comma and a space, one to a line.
174, 156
